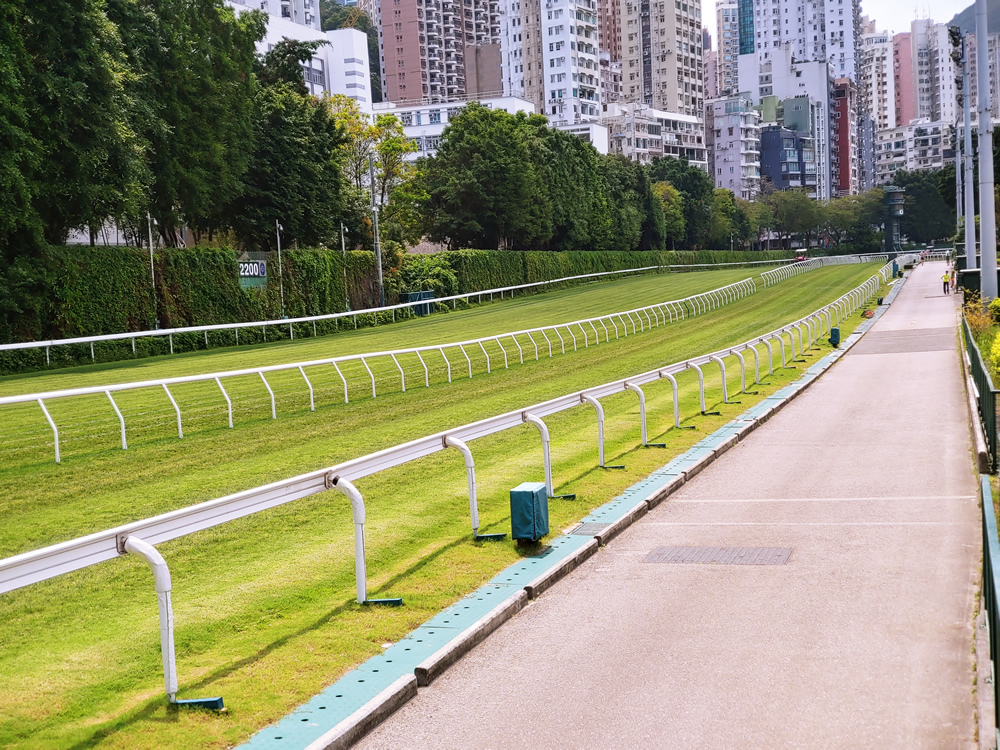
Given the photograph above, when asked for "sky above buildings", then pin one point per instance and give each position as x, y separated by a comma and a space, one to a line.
891, 15
896, 15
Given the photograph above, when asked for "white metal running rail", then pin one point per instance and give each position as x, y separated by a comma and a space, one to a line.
372, 312
542, 340
39, 565
138, 537
771, 278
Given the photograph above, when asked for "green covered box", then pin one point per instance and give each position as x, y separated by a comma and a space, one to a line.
529, 511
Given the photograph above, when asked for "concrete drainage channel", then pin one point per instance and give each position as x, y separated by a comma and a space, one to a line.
354, 705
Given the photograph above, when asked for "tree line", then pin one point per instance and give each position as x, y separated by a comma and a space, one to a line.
159, 117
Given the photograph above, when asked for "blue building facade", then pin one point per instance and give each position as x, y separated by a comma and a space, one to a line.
787, 158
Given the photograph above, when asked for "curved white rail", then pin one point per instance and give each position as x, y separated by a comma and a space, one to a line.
640, 319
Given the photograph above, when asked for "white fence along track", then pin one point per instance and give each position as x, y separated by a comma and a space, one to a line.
771, 278
541, 341
140, 536
365, 314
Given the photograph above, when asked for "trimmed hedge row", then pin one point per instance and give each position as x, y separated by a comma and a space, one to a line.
486, 269
89, 291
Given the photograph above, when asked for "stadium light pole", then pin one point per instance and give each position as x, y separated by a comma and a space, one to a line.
970, 198
281, 283
152, 267
987, 206
378, 246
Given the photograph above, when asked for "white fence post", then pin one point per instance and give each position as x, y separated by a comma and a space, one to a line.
55, 430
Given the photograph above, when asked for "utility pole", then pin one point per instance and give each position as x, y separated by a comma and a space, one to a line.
343, 252
987, 205
970, 198
378, 246
152, 268
281, 283
959, 166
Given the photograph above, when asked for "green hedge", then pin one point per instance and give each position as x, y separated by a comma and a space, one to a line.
88, 291
487, 269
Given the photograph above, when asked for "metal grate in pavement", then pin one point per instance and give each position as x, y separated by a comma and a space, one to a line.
589, 529
721, 555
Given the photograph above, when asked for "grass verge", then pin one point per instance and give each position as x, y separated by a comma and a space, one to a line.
264, 606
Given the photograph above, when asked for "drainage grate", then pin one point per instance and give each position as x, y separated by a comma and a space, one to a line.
721, 555
589, 529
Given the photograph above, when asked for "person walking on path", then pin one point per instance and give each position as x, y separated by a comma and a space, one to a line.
947, 280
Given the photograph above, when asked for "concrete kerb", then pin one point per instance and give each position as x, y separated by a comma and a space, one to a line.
675, 474
469, 638
369, 716
616, 528
568, 564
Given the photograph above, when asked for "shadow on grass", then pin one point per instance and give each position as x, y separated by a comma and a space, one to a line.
147, 711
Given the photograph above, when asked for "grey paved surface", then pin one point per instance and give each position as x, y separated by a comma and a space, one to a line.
863, 638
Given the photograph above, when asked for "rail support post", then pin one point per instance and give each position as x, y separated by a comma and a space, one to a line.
701, 389
725, 386
161, 579
546, 455
470, 470
584, 398
642, 416
677, 405
348, 490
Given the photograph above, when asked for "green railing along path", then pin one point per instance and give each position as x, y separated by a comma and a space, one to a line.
986, 395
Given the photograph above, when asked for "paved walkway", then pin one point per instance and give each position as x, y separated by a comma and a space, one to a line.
862, 638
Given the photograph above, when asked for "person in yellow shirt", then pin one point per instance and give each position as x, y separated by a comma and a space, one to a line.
947, 280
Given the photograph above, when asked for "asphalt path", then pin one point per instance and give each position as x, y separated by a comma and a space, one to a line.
853, 628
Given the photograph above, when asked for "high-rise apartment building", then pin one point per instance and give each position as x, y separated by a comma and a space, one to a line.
642, 133
925, 77
732, 134
662, 61
904, 84
728, 35
971, 51
609, 25
797, 95
788, 159
551, 57
437, 50
827, 30
611, 79
302, 12
711, 63
917, 146
845, 162
876, 79
934, 71
340, 66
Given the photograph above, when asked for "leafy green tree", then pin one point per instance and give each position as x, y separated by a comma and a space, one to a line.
625, 215
723, 231
193, 92
795, 213
837, 220
483, 188
696, 188
926, 216
293, 175
568, 167
398, 188
673, 211
19, 157
759, 217
283, 63
76, 112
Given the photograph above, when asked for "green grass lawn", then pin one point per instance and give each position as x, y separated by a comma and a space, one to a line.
559, 306
264, 605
